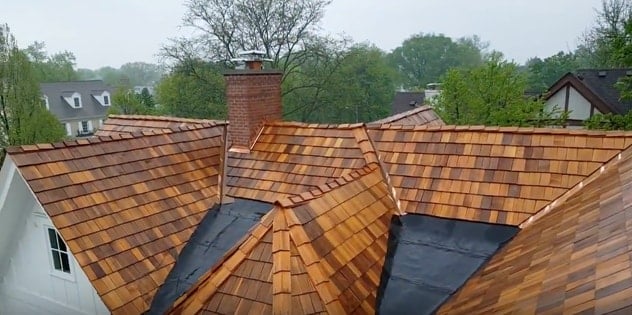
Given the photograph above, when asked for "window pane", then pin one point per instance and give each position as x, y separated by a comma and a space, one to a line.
65, 264
52, 236
56, 260
62, 245
76, 99
106, 100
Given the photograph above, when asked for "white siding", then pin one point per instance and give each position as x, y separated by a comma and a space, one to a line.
578, 105
557, 99
28, 283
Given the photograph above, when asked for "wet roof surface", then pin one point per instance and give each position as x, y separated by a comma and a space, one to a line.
429, 258
219, 231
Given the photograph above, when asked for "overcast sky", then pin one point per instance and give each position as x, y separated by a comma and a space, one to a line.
114, 32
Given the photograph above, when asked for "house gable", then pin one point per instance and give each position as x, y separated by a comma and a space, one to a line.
26, 263
126, 205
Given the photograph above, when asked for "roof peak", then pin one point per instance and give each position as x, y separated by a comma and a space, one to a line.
103, 139
169, 119
522, 130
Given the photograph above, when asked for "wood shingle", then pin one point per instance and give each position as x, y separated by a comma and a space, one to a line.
489, 174
126, 205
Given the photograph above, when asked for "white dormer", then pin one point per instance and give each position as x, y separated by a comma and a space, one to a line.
103, 98
74, 99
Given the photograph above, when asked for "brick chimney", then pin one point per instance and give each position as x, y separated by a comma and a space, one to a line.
253, 96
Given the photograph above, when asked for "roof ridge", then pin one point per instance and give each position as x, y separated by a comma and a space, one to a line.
313, 125
398, 116
169, 118
521, 130
103, 139
614, 161
298, 199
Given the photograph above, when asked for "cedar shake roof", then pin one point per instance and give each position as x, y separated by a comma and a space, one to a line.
126, 204
127, 124
575, 259
291, 158
423, 115
489, 174
322, 253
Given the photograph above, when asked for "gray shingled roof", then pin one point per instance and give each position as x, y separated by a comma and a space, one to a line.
91, 108
602, 83
405, 101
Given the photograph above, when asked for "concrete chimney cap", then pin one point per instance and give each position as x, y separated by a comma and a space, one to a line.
253, 52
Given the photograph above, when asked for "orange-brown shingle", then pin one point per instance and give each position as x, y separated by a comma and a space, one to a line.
575, 259
420, 116
322, 254
126, 124
489, 174
126, 205
290, 158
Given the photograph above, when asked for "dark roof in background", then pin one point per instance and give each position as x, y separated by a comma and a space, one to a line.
598, 86
222, 227
405, 101
430, 258
91, 108
602, 83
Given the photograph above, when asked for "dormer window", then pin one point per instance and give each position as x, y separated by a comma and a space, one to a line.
73, 99
103, 97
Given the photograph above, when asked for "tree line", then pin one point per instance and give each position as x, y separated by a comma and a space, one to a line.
327, 79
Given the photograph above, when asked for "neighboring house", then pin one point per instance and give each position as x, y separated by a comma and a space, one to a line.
588, 92
80, 106
180, 216
405, 101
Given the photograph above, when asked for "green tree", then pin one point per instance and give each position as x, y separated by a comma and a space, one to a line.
146, 99
126, 102
609, 122
221, 29
491, 94
356, 85
424, 58
141, 73
608, 44
23, 119
51, 68
542, 73
193, 89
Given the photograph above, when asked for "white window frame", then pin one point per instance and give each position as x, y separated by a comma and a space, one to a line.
106, 97
70, 275
87, 130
